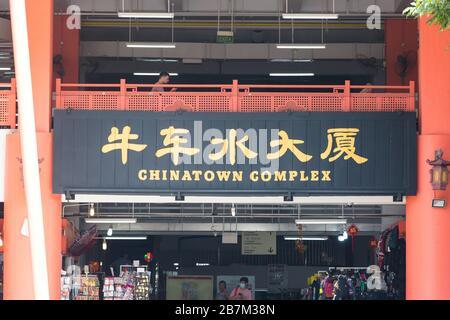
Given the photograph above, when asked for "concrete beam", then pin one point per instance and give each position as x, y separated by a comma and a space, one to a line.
176, 227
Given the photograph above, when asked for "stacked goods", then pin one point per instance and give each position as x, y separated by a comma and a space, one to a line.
108, 288
142, 288
86, 288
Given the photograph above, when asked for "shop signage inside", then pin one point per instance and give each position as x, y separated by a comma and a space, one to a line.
313, 153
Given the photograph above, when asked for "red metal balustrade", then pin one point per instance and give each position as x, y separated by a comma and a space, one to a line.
220, 98
8, 104
236, 97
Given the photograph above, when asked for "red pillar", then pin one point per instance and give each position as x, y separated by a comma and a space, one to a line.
18, 280
401, 39
427, 228
66, 42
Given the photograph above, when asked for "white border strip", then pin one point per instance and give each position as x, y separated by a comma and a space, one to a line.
331, 200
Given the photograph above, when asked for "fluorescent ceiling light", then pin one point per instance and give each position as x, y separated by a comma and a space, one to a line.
199, 264
154, 45
310, 16
109, 221
306, 238
292, 74
291, 60
301, 46
156, 60
146, 15
176, 264
321, 221
5, 69
126, 238
153, 74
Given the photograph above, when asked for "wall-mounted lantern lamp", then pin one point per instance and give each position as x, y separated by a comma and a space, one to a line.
439, 176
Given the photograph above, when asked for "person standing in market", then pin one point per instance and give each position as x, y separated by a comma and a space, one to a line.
222, 293
241, 292
328, 288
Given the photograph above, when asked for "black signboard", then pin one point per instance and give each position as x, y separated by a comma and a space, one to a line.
123, 152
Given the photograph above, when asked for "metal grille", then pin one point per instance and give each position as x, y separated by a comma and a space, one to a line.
318, 253
239, 98
256, 103
140, 101
106, 100
326, 103
297, 102
391, 102
364, 102
8, 107
213, 103
4, 107
394, 102
178, 101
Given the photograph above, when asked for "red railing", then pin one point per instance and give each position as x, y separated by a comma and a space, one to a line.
236, 97
8, 104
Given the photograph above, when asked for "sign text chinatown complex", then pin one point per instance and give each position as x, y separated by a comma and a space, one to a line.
125, 152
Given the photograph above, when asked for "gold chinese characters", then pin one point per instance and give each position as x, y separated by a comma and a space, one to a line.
122, 142
173, 137
345, 143
340, 144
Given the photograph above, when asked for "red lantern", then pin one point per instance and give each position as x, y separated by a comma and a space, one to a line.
352, 231
148, 257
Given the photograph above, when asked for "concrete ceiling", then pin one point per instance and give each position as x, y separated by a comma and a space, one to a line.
205, 218
244, 7
211, 7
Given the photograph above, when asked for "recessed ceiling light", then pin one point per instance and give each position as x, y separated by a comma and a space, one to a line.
109, 221
310, 16
305, 238
126, 238
321, 221
146, 15
301, 46
174, 74
152, 45
292, 74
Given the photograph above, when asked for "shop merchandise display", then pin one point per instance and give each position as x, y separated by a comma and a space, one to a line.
142, 287
119, 288
391, 253
129, 286
66, 287
86, 287
108, 288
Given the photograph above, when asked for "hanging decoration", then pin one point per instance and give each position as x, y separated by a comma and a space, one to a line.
299, 245
373, 243
94, 266
148, 257
352, 231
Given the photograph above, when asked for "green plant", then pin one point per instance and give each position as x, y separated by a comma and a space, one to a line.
439, 10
